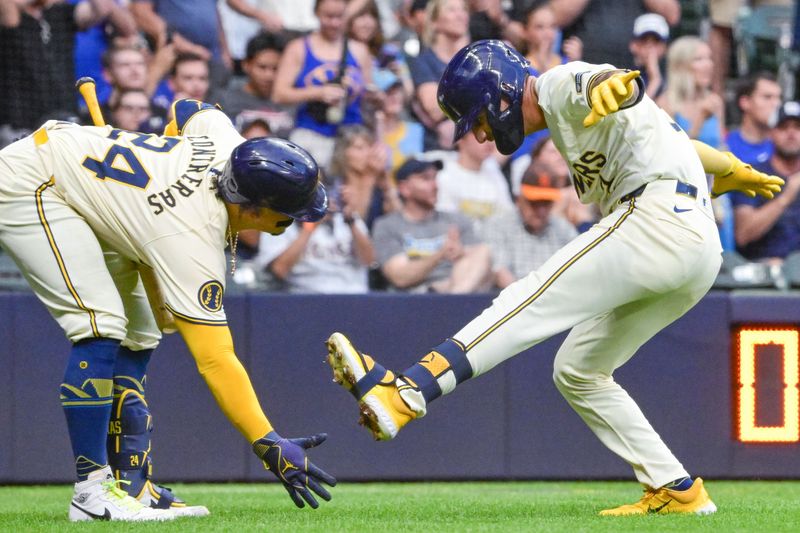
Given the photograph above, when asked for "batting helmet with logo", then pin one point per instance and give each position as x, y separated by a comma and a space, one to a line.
277, 174
479, 78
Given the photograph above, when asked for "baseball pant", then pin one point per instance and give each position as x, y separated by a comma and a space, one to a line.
90, 291
636, 271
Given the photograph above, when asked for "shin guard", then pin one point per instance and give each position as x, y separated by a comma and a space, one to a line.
129, 450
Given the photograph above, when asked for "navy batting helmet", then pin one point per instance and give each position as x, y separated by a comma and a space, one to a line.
277, 174
477, 79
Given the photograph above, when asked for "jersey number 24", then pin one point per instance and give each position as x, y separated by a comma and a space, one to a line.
121, 164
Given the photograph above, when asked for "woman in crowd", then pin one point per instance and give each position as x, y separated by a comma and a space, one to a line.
359, 175
698, 110
688, 97
446, 33
540, 38
309, 76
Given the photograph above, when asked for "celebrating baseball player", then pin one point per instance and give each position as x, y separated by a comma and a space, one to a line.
98, 219
650, 259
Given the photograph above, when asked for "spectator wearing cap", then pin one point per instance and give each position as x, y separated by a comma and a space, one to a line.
770, 229
403, 137
758, 97
414, 17
521, 240
252, 99
473, 183
604, 25
648, 47
420, 249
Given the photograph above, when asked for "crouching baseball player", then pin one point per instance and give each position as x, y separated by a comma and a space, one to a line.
94, 216
651, 258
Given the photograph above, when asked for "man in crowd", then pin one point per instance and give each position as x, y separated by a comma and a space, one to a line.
770, 229
243, 103
758, 98
522, 239
421, 249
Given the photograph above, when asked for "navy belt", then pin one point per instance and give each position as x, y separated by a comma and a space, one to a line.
680, 188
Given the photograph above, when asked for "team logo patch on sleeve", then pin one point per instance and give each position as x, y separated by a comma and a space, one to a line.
579, 81
210, 296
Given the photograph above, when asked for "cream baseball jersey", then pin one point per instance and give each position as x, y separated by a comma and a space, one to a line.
621, 152
152, 199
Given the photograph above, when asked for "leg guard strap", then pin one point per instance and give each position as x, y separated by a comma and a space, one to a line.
376, 376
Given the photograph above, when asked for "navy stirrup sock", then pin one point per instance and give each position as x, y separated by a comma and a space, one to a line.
86, 396
444, 367
130, 369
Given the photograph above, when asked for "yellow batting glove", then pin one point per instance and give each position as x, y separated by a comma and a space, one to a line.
744, 178
607, 96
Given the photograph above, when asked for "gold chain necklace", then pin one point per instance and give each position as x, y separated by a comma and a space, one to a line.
233, 241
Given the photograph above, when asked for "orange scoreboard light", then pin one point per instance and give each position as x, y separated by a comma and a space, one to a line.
766, 383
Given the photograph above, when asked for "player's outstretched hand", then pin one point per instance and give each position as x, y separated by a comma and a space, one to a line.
744, 178
607, 96
286, 458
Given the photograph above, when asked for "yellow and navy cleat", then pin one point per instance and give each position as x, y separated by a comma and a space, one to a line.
382, 409
695, 500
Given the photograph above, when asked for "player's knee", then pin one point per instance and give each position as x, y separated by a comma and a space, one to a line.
84, 325
561, 377
138, 341
568, 379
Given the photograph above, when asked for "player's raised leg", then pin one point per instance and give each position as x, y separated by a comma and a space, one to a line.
523, 314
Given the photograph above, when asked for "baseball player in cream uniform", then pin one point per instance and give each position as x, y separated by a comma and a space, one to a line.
99, 218
653, 256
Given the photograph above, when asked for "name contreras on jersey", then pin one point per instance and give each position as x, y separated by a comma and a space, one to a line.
587, 170
203, 153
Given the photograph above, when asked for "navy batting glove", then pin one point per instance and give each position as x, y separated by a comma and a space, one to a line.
286, 458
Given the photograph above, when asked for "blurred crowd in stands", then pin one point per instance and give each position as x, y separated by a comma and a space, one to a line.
354, 82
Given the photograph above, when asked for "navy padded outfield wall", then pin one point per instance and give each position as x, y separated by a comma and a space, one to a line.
684, 379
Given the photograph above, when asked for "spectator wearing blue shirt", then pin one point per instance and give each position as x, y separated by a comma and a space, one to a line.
770, 229
758, 98
92, 42
192, 26
446, 33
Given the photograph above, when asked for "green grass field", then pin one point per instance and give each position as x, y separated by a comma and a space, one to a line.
425, 507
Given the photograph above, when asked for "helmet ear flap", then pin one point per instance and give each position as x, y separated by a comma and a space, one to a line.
228, 187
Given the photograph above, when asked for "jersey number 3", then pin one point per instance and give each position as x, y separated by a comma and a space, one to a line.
121, 164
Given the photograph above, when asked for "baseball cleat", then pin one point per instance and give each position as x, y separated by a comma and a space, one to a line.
695, 500
100, 498
381, 408
159, 497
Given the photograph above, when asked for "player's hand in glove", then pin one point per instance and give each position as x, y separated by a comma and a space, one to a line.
286, 458
744, 178
609, 94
